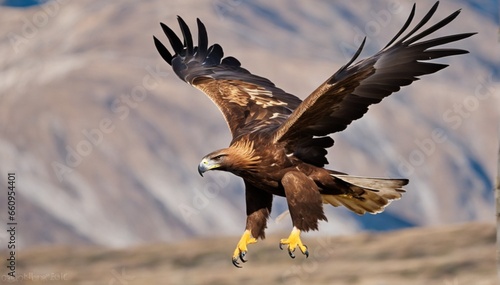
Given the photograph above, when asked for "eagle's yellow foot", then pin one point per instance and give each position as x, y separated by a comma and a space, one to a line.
293, 241
241, 249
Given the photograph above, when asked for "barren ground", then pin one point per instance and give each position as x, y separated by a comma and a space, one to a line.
453, 255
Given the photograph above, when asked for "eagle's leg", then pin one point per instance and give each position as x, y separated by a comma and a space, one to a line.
259, 204
305, 206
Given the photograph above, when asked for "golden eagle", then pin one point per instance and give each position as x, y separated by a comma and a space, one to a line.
279, 142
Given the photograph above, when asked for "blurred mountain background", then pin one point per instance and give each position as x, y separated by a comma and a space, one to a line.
105, 139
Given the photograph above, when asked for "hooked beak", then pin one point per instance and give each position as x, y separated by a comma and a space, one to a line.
206, 165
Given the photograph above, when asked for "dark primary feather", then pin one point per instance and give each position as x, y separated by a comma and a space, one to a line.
405, 26
248, 102
202, 39
346, 95
186, 33
165, 54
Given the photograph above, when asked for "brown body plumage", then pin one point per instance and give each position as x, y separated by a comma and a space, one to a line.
279, 142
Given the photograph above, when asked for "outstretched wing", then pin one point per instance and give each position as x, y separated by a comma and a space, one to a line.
346, 95
247, 101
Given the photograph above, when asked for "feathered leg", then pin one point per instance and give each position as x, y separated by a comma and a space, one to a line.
259, 205
305, 206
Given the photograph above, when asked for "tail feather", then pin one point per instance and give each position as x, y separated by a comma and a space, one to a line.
365, 194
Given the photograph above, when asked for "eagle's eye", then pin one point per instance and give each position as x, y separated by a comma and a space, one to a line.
218, 157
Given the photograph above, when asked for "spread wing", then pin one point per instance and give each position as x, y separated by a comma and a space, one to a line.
346, 95
247, 101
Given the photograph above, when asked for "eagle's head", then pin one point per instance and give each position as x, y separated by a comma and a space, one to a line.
217, 160
237, 158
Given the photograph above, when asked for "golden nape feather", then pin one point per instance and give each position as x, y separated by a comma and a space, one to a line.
366, 194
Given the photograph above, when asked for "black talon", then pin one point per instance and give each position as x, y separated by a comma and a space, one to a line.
291, 253
242, 255
235, 263
281, 246
306, 253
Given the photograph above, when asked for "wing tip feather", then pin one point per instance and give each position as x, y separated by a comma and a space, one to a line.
164, 53
186, 33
